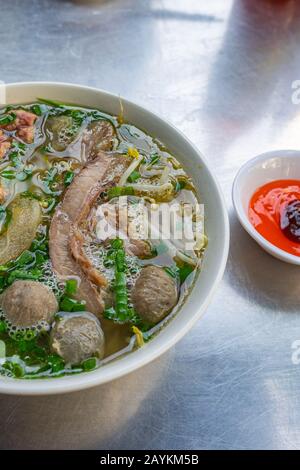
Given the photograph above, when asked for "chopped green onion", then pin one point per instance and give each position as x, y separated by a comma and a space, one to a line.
27, 257
31, 195
120, 313
21, 274
71, 287
18, 370
37, 109
117, 243
184, 271
68, 178
55, 362
19, 145
8, 174
154, 159
56, 104
89, 364
68, 304
134, 176
6, 119
173, 271
118, 191
180, 272
15, 368
180, 184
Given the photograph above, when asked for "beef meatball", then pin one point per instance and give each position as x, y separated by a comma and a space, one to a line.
140, 248
77, 336
154, 294
26, 303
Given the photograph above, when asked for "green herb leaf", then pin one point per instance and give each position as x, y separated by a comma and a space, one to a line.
6, 119
68, 177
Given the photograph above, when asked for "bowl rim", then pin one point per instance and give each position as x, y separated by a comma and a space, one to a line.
283, 154
131, 362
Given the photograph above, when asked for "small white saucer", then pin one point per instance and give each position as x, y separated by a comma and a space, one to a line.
267, 167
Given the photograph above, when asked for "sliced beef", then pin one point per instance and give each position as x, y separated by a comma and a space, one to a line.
2, 195
154, 294
76, 246
24, 118
26, 134
5, 144
23, 125
99, 136
66, 266
66, 238
118, 217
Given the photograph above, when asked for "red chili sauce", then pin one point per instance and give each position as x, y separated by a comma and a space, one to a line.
274, 211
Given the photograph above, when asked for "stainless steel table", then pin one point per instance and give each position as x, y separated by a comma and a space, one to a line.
222, 72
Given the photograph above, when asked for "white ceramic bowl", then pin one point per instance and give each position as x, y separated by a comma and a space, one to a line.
217, 228
267, 167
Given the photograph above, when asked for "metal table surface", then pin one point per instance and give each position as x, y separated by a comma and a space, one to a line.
222, 72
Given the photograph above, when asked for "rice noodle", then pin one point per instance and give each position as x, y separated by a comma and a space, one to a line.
162, 170
174, 251
152, 188
165, 174
150, 173
187, 258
